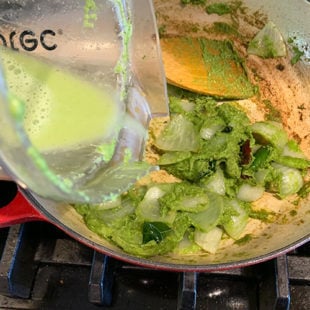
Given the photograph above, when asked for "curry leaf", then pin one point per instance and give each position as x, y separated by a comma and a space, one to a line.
156, 231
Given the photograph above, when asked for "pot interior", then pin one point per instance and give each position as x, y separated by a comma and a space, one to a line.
289, 92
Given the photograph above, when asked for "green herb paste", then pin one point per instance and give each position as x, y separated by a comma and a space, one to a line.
219, 8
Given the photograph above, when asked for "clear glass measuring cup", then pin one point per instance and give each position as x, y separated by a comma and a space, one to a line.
79, 83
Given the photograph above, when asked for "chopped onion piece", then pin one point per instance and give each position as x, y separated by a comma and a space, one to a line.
237, 223
268, 43
261, 176
149, 208
291, 153
290, 180
250, 193
209, 218
207, 133
269, 133
209, 241
216, 183
179, 135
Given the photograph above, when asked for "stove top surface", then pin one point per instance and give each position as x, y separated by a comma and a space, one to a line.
42, 268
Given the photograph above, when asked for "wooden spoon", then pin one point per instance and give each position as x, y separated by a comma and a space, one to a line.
205, 66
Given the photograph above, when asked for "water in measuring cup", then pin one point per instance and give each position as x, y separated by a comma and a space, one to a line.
75, 111
68, 120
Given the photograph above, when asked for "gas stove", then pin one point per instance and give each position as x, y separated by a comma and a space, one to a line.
43, 268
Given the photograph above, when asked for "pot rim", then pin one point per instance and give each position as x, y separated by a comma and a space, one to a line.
165, 266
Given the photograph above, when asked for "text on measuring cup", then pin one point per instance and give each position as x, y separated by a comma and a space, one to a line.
28, 40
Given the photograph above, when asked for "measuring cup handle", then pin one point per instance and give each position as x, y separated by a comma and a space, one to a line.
19, 211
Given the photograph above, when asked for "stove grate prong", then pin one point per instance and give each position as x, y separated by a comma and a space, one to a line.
187, 291
282, 284
101, 280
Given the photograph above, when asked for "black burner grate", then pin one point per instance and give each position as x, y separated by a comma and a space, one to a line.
42, 268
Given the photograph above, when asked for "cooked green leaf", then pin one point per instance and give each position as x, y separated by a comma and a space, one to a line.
156, 231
